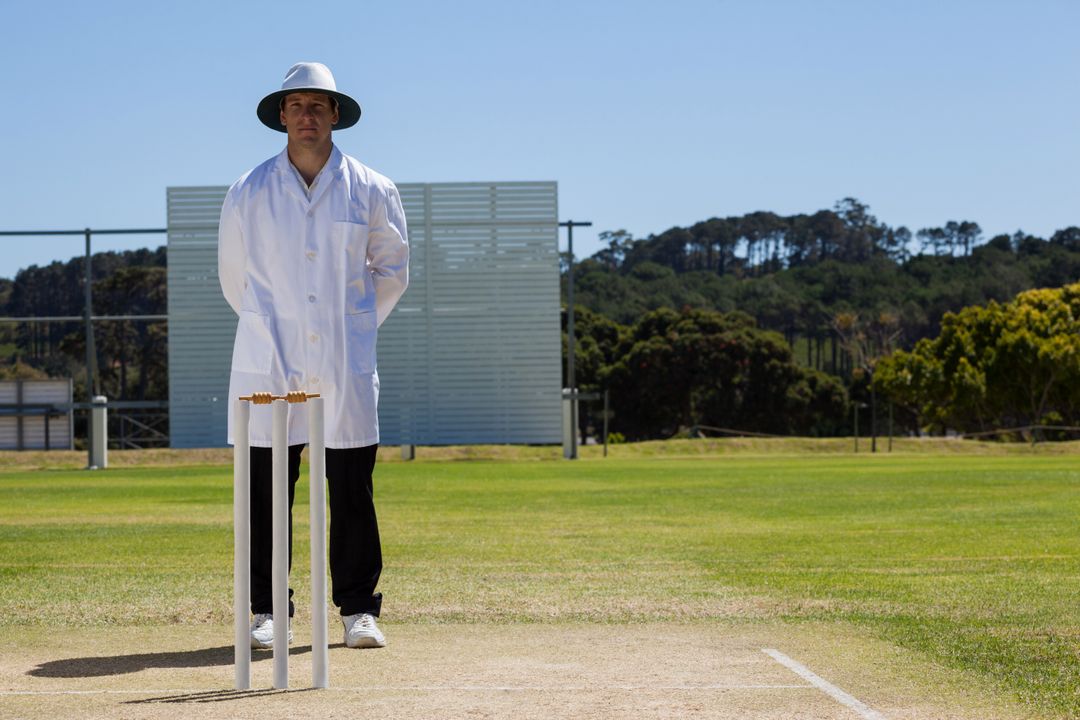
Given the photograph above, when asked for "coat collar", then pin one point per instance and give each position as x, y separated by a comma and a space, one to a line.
289, 179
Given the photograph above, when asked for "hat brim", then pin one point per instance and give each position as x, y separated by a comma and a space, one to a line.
269, 110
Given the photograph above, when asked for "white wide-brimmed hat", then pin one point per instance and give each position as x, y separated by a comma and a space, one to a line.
308, 77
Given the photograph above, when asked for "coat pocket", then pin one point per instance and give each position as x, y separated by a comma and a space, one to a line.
253, 350
351, 245
353, 238
360, 337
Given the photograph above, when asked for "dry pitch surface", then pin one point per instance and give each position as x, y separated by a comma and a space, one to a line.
698, 670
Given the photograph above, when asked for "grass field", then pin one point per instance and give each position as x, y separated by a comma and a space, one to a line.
968, 560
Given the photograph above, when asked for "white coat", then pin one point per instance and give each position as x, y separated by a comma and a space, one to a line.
311, 280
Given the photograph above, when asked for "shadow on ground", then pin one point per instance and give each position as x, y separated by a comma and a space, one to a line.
214, 696
102, 666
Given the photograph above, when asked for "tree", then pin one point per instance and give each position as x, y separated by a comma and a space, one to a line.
772, 304
963, 235
1068, 238
596, 340
619, 244
935, 240
827, 232
993, 366
864, 232
716, 242
764, 234
134, 352
955, 236
699, 367
897, 244
866, 342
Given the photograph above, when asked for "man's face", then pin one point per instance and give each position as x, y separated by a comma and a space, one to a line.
308, 118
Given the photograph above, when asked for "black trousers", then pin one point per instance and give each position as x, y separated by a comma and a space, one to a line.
355, 552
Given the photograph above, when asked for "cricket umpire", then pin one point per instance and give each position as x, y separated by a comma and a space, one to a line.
312, 256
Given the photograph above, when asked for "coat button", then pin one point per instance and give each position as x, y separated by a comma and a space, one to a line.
311, 298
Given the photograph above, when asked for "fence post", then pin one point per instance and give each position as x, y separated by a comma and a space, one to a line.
873, 417
568, 424
606, 409
99, 440
20, 438
856, 409
890, 426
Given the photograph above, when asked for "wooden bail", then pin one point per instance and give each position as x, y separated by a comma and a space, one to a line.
265, 398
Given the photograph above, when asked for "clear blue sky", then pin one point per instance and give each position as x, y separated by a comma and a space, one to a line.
648, 114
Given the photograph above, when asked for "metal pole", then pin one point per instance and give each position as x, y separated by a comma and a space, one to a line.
856, 427
890, 426
71, 415
20, 439
91, 350
58, 233
570, 349
873, 417
605, 420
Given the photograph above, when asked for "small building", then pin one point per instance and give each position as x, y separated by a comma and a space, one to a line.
471, 354
36, 415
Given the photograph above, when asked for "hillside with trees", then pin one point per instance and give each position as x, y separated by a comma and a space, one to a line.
795, 274
841, 288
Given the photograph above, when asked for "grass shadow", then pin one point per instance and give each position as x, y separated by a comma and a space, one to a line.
102, 666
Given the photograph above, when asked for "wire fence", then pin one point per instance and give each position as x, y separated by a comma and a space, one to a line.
1024, 433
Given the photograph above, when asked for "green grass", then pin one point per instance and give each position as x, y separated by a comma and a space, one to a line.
970, 560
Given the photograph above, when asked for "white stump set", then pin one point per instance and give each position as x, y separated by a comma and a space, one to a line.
320, 657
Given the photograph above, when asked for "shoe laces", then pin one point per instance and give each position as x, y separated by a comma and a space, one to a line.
366, 622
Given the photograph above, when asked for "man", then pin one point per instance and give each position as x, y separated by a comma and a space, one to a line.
313, 256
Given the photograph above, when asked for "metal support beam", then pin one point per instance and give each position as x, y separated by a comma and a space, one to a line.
91, 350
571, 381
80, 318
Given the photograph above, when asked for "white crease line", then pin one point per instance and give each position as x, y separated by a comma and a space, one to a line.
824, 685
578, 688
8, 693
422, 688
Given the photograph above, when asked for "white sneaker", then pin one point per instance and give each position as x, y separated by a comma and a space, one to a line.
362, 632
262, 631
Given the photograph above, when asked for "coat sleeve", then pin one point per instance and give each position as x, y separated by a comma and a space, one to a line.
388, 251
231, 252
